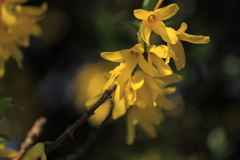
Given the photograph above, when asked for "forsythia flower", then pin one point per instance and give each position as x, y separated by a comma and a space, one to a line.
144, 75
152, 21
6, 153
35, 152
17, 24
132, 58
177, 49
146, 118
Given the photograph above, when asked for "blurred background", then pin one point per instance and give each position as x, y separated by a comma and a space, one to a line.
60, 66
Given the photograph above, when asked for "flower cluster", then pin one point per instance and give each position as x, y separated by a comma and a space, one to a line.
144, 75
17, 24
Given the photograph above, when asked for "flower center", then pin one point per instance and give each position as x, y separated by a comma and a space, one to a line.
134, 54
152, 19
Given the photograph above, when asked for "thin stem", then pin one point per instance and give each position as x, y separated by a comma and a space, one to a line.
92, 138
158, 4
69, 131
31, 137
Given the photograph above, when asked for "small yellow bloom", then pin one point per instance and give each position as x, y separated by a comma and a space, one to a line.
17, 24
6, 153
152, 21
177, 48
155, 55
131, 57
146, 118
35, 152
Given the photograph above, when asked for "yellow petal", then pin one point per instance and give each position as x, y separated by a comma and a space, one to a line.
119, 109
160, 29
194, 38
7, 153
142, 14
120, 90
138, 48
145, 95
174, 78
145, 31
126, 72
16, 54
35, 30
147, 126
137, 80
163, 68
131, 123
130, 94
114, 73
91, 101
5, 36
154, 115
178, 50
182, 29
169, 90
23, 41
7, 17
161, 84
34, 11
147, 67
109, 82
2, 68
117, 56
164, 103
43, 156
5, 51
34, 152
100, 114
150, 81
160, 50
167, 12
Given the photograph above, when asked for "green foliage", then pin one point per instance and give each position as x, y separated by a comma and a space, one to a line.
149, 4
134, 24
5, 104
5, 136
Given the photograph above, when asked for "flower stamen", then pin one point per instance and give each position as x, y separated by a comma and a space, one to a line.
152, 19
134, 54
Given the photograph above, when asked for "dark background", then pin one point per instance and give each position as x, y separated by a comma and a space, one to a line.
206, 125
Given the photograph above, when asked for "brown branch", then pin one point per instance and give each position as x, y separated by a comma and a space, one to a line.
158, 4
31, 137
69, 131
92, 138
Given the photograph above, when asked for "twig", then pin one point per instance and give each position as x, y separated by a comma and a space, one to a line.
158, 4
69, 131
81, 150
31, 137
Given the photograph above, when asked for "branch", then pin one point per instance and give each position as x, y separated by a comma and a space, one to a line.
69, 131
158, 4
84, 147
31, 137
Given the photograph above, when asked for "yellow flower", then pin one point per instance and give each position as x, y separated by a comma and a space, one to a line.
93, 77
177, 48
155, 55
17, 24
131, 57
35, 152
146, 118
152, 21
6, 153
